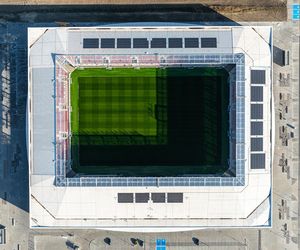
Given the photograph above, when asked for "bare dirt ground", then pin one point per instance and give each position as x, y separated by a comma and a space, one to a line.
205, 2
145, 10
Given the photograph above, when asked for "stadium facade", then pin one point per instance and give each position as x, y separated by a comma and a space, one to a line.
240, 197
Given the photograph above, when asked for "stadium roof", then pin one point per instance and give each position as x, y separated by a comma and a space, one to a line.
171, 207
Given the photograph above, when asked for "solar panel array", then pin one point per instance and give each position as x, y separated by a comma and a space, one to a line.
191, 42
125, 197
175, 42
90, 43
258, 76
159, 43
142, 197
257, 94
143, 43
257, 144
154, 197
123, 43
107, 43
258, 80
140, 43
175, 197
257, 111
258, 161
256, 128
208, 42
158, 197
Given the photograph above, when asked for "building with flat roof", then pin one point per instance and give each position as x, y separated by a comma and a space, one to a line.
150, 127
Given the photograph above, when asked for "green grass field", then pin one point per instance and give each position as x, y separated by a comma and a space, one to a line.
149, 121
113, 102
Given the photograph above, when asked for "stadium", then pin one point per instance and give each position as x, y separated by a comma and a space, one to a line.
149, 127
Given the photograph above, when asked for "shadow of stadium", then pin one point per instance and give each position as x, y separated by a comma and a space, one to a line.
113, 13
14, 185
13, 157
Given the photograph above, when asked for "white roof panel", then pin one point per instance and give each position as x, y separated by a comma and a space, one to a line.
246, 205
43, 121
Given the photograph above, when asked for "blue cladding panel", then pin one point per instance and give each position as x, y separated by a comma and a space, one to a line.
161, 244
296, 12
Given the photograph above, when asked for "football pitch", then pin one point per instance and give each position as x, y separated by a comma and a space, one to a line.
149, 121
118, 101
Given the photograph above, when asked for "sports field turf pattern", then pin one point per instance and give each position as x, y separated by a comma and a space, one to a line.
149, 122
